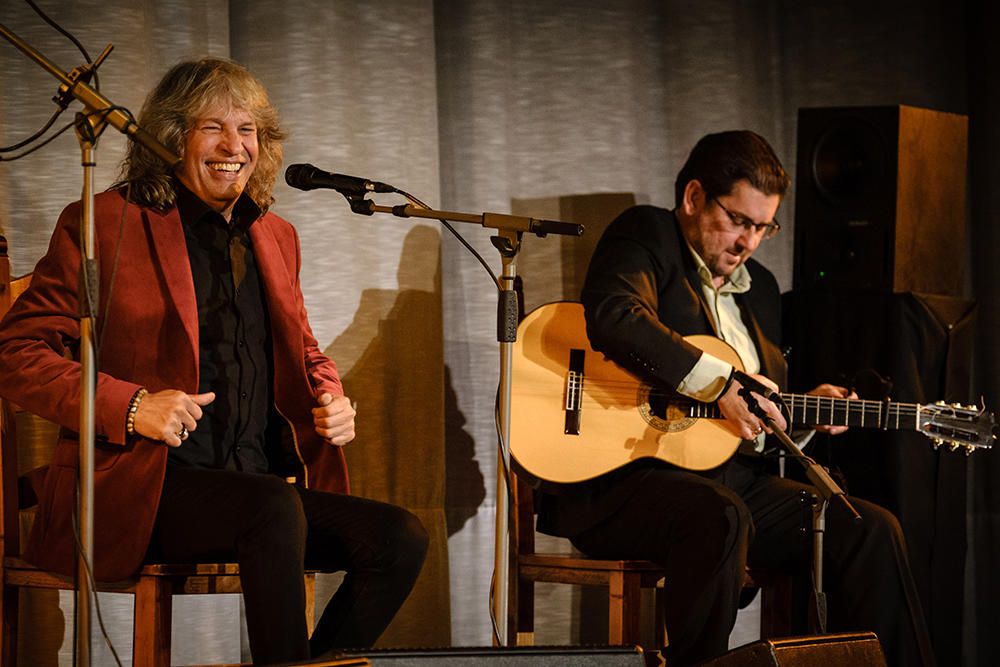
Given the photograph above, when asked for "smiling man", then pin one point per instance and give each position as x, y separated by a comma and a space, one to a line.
655, 277
219, 420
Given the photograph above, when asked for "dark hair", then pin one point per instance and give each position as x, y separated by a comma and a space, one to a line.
719, 160
186, 91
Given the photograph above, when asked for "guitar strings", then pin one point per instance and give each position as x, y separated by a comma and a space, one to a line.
805, 402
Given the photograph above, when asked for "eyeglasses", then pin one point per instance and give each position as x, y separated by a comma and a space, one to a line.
766, 229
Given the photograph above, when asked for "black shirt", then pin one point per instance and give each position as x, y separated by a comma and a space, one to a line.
234, 338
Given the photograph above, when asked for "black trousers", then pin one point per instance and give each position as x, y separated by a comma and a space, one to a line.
275, 531
704, 530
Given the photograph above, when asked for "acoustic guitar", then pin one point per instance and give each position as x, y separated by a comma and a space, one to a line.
576, 415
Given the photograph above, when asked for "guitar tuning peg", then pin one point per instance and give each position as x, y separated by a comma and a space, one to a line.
952, 446
939, 403
968, 450
936, 442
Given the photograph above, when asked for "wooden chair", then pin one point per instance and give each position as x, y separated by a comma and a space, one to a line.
624, 580
154, 585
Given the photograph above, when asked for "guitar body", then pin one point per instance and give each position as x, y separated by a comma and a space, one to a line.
576, 415
617, 425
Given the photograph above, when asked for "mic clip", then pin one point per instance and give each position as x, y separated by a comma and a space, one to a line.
359, 204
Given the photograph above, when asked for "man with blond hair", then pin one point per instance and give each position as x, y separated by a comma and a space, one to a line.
219, 420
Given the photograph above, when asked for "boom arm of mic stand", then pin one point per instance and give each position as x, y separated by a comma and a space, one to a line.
500, 221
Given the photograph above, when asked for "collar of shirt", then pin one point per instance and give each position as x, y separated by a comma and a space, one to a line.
737, 283
192, 209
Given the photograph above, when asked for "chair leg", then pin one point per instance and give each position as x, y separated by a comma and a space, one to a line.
525, 607
310, 602
10, 617
151, 638
623, 608
660, 628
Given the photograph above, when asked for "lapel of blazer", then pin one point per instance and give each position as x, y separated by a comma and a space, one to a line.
771, 361
170, 248
277, 286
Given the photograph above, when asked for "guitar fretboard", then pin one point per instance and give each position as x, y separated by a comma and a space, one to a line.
830, 411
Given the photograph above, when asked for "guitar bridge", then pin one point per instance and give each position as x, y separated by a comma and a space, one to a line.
574, 392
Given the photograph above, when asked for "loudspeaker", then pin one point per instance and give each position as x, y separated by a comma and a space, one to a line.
854, 649
880, 199
515, 656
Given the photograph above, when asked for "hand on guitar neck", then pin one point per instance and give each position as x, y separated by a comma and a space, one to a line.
836, 392
738, 414
766, 392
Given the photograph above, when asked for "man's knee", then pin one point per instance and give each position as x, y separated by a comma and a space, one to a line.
277, 510
406, 538
724, 514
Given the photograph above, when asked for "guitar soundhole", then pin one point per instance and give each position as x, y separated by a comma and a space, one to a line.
661, 412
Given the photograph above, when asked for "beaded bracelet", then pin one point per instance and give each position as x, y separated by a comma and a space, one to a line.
133, 407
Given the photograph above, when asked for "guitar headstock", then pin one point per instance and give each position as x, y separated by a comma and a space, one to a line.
957, 426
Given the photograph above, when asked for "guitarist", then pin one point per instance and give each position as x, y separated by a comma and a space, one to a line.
659, 275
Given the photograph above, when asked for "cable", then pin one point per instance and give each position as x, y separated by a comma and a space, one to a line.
103, 113
20, 144
93, 588
70, 37
460, 238
38, 146
510, 512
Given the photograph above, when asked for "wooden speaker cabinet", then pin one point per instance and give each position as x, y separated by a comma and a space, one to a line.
880, 199
860, 649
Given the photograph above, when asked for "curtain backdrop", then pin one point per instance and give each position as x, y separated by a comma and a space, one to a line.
470, 105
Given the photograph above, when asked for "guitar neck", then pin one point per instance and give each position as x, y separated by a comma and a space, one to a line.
830, 411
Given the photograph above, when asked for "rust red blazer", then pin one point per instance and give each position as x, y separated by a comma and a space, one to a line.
148, 322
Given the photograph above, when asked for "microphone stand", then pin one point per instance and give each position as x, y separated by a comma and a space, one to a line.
828, 489
99, 112
508, 243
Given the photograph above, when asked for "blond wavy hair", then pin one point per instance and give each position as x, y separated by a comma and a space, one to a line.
186, 93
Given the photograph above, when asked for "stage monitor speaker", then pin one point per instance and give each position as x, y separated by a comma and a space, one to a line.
880, 199
515, 656
855, 649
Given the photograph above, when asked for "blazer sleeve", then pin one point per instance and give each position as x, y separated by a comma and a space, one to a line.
635, 285
39, 343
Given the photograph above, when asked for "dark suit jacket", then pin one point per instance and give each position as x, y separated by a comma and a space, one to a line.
149, 337
642, 294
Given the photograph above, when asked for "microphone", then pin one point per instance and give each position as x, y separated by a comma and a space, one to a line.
308, 177
756, 386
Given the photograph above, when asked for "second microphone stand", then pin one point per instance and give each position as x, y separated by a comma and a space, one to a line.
509, 228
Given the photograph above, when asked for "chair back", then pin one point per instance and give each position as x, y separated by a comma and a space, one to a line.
36, 436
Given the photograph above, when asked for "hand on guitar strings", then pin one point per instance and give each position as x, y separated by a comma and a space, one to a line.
739, 415
836, 392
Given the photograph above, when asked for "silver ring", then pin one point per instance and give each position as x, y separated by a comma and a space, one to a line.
760, 429
183, 433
